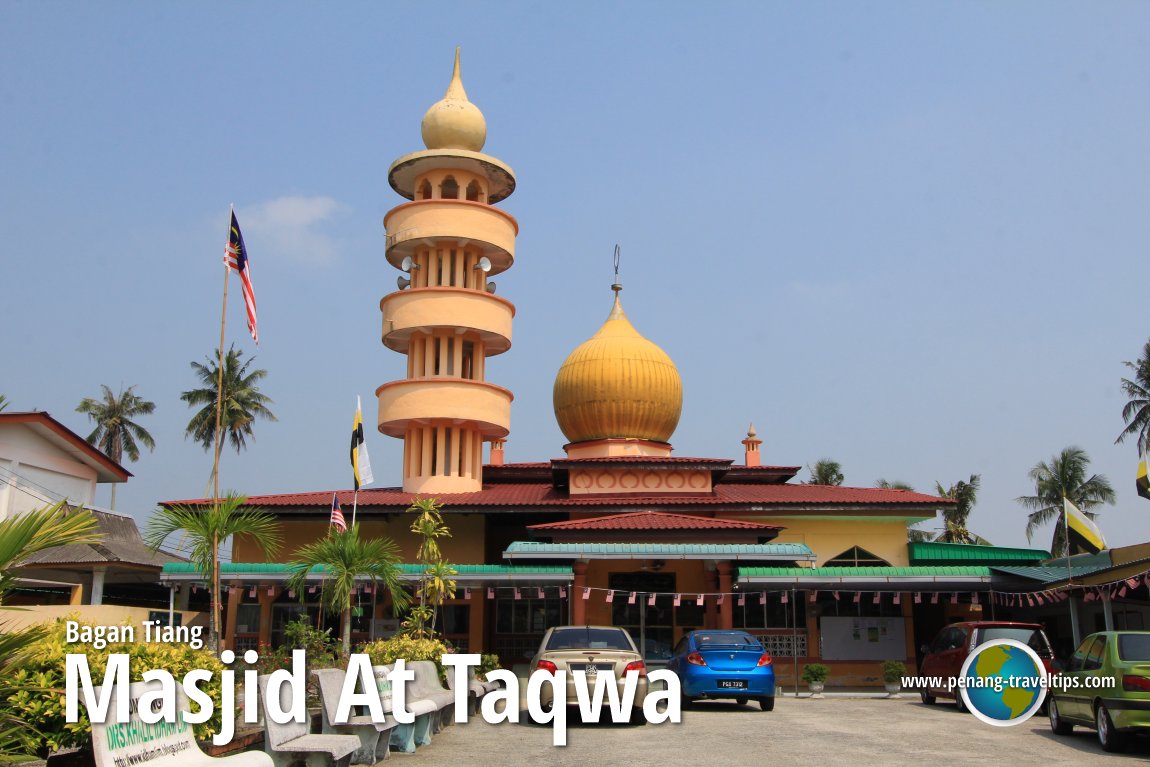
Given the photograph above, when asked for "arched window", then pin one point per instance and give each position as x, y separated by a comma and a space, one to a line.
425, 190
449, 189
856, 557
473, 191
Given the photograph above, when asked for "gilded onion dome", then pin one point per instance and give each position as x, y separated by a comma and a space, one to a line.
453, 122
618, 385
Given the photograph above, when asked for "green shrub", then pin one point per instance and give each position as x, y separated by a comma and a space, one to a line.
318, 643
384, 652
39, 683
488, 662
815, 672
893, 671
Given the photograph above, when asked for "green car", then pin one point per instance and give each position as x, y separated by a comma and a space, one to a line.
1106, 685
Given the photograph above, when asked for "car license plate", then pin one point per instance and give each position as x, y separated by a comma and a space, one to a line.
733, 684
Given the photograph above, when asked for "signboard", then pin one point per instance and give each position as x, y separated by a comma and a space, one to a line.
863, 638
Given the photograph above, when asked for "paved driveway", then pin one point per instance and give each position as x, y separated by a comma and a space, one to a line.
830, 731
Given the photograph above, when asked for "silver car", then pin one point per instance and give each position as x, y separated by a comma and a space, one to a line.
594, 650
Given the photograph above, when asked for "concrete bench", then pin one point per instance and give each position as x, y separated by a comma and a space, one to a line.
374, 736
427, 686
293, 743
163, 744
405, 737
476, 689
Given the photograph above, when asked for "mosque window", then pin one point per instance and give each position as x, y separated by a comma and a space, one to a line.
473, 191
425, 190
856, 557
449, 189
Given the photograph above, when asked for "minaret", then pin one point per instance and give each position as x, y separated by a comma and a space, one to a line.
445, 317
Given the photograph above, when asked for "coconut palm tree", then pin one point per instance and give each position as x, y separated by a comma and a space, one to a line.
241, 400
20, 537
954, 517
1063, 477
893, 484
205, 529
116, 433
1136, 411
826, 472
3, 402
345, 558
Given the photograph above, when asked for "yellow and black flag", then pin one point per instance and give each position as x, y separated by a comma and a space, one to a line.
1143, 480
360, 465
1084, 535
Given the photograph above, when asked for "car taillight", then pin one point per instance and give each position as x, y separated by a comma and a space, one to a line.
764, 659
1135, 683
546, 665
636, 665
696, 660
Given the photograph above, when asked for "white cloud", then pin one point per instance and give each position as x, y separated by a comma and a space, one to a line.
291, 228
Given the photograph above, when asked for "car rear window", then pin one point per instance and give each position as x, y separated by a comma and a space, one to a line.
584, 638
703, 641
1033, 638
1134, 646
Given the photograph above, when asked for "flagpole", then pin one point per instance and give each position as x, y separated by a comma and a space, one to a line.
220, 377
354, 504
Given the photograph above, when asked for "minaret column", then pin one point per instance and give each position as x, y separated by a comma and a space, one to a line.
445, 316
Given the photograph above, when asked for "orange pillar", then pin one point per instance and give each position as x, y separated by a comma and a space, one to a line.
477, 623
710, 616
726, 611
578, 604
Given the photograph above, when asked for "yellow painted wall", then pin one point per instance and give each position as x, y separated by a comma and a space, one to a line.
829, 538
464, 547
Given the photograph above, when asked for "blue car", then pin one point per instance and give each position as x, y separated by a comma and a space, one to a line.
723, 664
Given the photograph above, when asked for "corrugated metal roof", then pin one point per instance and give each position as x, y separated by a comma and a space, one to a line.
864, 572
281, 570
1051, 573
759, 551
934, 553
121, 543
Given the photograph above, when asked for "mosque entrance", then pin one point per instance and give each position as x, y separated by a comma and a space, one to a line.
651, 623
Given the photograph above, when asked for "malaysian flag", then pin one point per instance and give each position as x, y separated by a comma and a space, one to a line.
236, 258
337, 515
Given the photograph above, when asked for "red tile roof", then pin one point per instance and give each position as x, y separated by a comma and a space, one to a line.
542, 495
652, 520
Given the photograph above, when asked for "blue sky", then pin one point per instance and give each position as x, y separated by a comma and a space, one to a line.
909, 236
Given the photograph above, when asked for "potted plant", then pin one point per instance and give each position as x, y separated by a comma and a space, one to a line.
815, 675
892, 673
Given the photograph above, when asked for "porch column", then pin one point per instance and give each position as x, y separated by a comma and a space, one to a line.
266, 601
1075, 632
578, 604
1107, 611
477, 620
711, 615
812, 625
234, 594
726, 609
97, 594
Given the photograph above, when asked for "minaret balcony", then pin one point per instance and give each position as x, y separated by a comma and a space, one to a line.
424, 223
452, 400
408, 313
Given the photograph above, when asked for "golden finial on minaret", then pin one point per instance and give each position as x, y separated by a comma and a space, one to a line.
453, 122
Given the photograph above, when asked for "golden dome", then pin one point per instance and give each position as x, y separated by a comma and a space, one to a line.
618, 385
454, 122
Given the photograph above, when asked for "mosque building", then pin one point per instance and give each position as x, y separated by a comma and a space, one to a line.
619, 530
